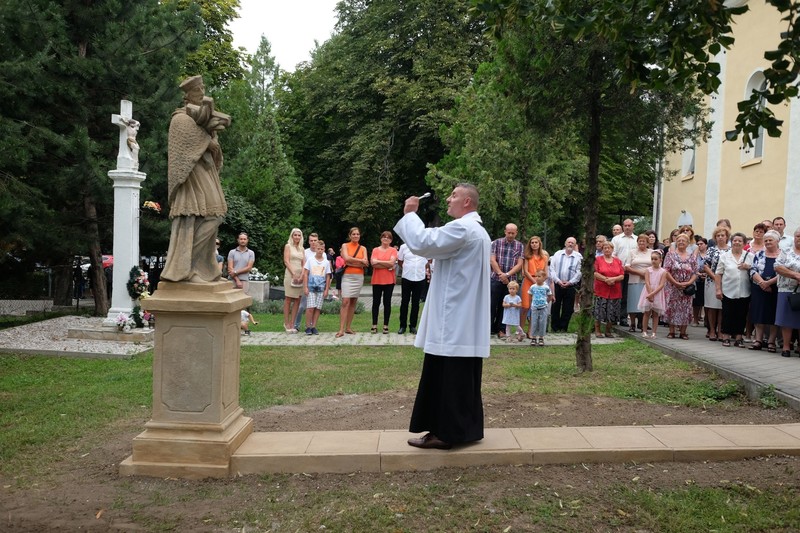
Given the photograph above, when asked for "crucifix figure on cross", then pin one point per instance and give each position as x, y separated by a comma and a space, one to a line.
128, 157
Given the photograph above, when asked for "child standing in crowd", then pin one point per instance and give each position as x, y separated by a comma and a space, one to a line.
540, 296
652, 300
247, 319
316, 282
512, 303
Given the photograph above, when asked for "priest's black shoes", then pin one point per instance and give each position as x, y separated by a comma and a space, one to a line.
429, 441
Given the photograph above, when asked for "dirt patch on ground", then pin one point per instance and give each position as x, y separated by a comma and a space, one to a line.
85, 492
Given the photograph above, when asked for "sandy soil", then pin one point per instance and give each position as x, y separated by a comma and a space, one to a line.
85, 492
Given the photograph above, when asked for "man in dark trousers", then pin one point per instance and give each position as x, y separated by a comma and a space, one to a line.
452, 330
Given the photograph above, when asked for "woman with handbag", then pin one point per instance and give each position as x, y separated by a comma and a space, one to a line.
355, 260
681, 267
293, 259
787, 315
764, 291
733, 289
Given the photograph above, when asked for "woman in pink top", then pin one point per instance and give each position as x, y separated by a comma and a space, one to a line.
384, 259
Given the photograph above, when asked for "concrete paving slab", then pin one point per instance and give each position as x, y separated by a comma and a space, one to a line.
332, 442
619, 438
551, 439
688, 437
757, 436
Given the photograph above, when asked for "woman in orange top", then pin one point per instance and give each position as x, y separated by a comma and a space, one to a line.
535, 258
384, 259
355, 260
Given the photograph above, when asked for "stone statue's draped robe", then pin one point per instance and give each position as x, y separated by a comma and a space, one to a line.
196, 201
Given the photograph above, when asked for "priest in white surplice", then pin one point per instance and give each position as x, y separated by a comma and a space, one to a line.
454, 328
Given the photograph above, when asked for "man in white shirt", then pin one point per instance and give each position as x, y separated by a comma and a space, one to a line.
415, 272
624, 245
787, 242
453, 330
565, 271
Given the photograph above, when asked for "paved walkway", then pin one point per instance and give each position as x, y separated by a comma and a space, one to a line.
754, 369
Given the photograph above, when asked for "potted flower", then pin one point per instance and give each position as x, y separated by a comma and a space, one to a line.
124, 322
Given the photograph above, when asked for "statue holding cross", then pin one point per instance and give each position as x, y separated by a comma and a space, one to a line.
196, 201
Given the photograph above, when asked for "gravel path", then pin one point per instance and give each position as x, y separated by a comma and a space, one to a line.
49, 337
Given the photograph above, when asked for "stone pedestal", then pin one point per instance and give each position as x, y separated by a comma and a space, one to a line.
196, 423
259, 291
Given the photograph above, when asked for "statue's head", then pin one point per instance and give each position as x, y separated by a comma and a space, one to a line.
193, 89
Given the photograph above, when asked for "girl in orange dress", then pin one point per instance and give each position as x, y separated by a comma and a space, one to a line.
534, 258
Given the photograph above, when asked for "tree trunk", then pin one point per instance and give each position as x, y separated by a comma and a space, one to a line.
96, 273
583, 346
62, 283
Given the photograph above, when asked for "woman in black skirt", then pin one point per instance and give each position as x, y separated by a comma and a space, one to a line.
764, 292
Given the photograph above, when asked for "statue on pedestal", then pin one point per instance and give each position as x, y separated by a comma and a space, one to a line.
197, 203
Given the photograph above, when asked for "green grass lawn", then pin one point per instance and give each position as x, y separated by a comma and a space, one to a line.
51, 402
48, 405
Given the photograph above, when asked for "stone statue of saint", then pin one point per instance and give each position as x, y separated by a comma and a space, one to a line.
196, 201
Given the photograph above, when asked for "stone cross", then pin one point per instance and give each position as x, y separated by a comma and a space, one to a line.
127, 185
128, 157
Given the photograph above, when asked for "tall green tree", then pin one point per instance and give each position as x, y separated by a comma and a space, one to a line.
556, 80
669, 45
524, 176
362, 117
261, 184
215, 58
66, 67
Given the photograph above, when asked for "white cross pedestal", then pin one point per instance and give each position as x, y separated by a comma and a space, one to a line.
127, 184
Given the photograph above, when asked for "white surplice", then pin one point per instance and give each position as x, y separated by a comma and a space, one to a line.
455, 320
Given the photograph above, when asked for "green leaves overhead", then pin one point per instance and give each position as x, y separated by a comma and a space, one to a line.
668, 44
362, 118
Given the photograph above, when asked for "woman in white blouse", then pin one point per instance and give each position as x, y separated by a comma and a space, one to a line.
733, 288
635, 265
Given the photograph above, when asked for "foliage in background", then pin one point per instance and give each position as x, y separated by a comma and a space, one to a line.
362, 118
66, 68
215, 58
260, 183
557, 80
665, 46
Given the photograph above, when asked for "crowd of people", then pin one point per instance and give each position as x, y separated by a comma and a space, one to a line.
736, 286
310, 274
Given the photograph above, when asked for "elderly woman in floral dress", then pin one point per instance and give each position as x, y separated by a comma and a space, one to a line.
681, 267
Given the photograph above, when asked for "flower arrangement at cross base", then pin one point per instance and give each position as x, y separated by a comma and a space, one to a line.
142, 318
138, 289
124, 322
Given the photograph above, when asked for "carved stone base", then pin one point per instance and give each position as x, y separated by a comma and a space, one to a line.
196, 423
187, 452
